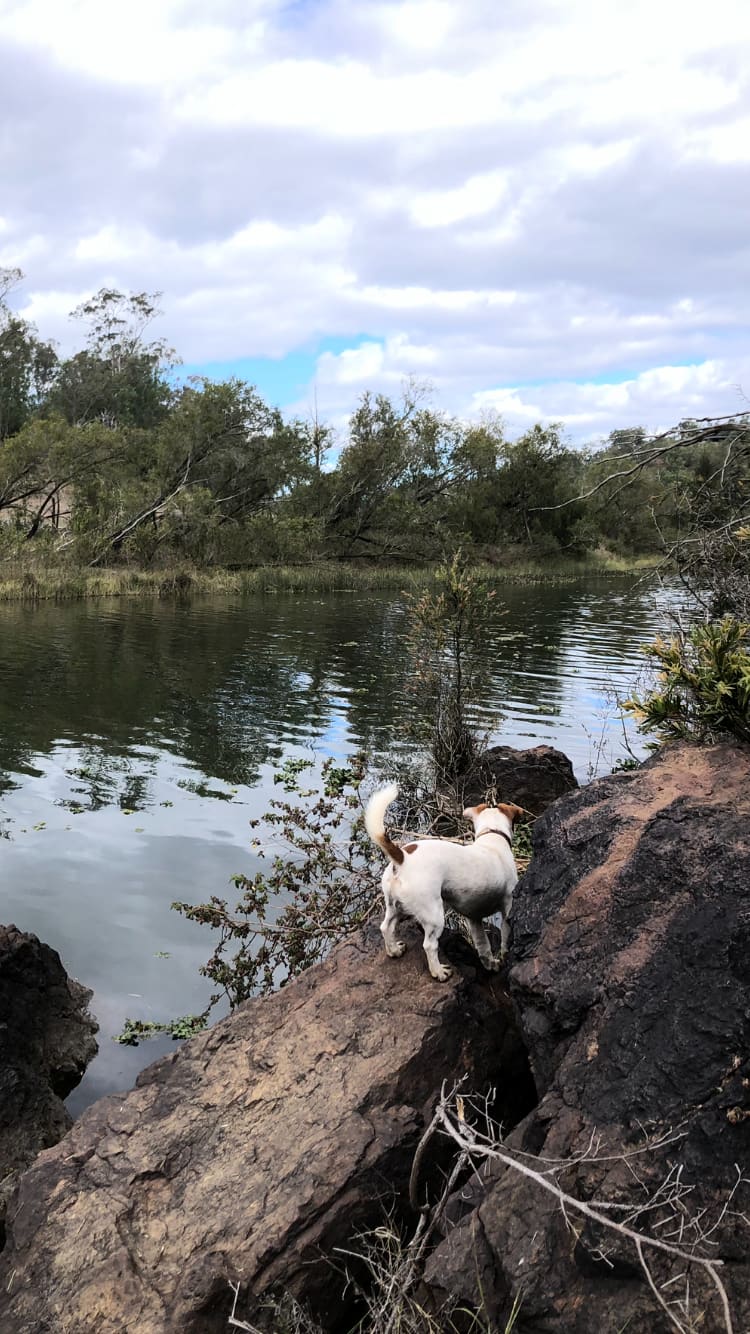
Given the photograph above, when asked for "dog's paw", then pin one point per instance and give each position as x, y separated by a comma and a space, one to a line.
442, 972
396, 950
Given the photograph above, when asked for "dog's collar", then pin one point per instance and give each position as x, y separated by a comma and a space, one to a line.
501, 832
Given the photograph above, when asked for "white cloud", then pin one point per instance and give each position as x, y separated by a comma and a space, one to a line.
109, 244
485, 195
20, 253
381, 364
142, 42
421, 25
346, 99
477, 195
419, 299
729, 143
656, 399
49, 310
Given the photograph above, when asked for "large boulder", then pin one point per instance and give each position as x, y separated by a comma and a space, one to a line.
631, 973
46, 1042
254, 1151
531, 778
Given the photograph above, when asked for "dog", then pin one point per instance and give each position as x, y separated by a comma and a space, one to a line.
475, 879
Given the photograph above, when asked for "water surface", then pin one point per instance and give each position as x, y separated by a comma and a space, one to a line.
137, 739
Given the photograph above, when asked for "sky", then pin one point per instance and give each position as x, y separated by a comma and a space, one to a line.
538, 207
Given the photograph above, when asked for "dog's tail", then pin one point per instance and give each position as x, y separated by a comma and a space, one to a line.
375, 822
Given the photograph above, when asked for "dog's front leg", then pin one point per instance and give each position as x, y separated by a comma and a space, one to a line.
482, 945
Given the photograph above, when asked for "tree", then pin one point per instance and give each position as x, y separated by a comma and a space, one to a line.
388, 494
48, 461
702, 689
370, 466
691, 485
538, 470
119, 379
26, 363
220, 455
473, 503
446, 639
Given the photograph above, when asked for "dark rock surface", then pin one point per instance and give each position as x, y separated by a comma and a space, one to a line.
46, 1042
254, 1150
631, 971
531, 778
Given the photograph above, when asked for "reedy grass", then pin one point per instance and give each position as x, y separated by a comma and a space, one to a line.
45, 583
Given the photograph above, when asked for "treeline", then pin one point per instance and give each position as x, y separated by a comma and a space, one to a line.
106, 457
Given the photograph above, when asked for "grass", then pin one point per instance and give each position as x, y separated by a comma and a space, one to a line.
30, 583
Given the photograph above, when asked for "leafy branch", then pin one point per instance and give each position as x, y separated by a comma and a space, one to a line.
316, 890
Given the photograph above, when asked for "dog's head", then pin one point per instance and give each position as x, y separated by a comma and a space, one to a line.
483, 814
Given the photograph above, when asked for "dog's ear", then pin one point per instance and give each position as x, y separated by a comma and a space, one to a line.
512, 811
471, 812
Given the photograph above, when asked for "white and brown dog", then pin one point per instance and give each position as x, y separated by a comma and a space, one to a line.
475, 879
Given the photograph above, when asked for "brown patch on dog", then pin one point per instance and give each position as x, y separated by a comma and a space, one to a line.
390, 849
512, 811
410, 847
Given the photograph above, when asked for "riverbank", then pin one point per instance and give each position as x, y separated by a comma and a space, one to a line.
46, 584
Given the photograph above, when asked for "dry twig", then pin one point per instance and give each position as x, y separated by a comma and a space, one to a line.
476, 1146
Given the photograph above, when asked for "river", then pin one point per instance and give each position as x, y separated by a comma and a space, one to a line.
137, 739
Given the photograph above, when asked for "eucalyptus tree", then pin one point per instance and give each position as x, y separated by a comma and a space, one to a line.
120, 378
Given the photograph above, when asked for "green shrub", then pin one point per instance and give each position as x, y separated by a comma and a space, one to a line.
702, 690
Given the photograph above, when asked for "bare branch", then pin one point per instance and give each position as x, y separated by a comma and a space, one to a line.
670, 1193
653, 450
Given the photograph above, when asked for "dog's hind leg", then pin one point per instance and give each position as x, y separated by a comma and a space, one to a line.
433, 929
394, 948
482, 944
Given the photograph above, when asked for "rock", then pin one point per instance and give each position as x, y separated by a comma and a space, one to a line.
46, 1042
531, 778
631, 972
255, 1150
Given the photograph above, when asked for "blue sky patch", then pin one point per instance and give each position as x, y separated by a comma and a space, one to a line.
279, 380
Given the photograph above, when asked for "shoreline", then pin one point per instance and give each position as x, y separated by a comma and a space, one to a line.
50, 585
